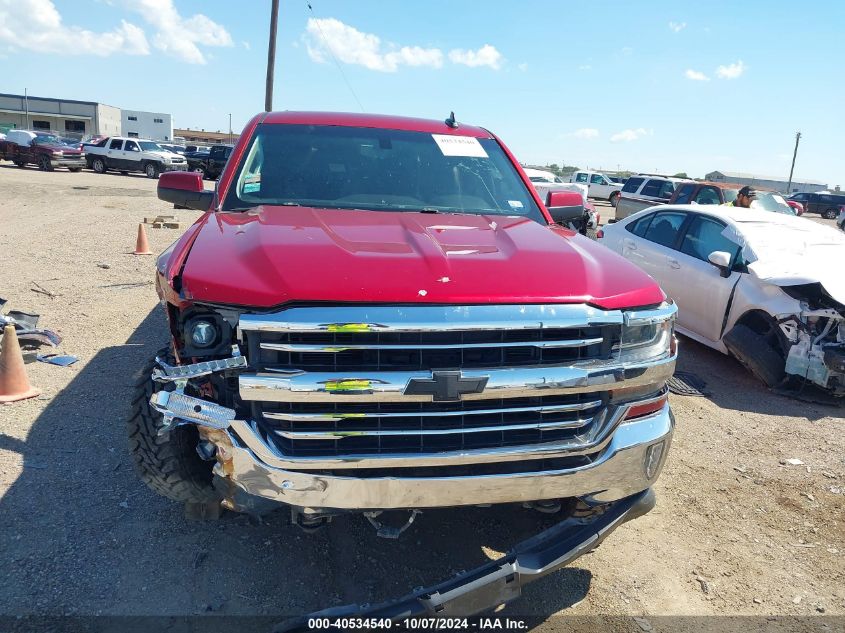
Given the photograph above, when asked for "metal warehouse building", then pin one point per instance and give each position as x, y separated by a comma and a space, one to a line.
81, 118
66, 116
766, 182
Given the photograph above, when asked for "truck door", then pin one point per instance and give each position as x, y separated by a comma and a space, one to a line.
131, 155
599, 187
114, 154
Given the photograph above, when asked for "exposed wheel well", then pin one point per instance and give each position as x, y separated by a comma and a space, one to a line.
765, 325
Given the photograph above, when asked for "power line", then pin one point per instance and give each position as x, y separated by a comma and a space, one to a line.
329, 48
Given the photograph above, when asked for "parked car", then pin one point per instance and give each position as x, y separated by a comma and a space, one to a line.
176, 149
705, 193
210, 164
766, 288
132, 154
641, 191
197, 148
366, 295
44, 149
600, 186
828, 205
840, 221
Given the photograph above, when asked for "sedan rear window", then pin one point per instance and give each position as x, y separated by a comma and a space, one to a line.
339, 167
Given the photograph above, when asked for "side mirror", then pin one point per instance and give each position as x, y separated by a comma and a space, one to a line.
184, 189
722, 261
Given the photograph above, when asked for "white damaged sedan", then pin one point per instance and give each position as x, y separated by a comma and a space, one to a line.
767, 288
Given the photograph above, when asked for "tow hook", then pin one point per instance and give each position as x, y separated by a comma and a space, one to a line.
389, 531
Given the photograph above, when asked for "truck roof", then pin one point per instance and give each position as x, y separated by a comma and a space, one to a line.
373, 120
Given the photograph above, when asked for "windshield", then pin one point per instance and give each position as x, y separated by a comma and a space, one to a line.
339, 167
771, 202
149, 146
48, 138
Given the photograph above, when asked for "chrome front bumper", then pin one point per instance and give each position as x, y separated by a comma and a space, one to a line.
68, 162
617, 472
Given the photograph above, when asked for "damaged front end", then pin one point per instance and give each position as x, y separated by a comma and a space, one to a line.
816, 338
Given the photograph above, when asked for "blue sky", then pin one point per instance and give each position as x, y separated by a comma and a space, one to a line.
665, 86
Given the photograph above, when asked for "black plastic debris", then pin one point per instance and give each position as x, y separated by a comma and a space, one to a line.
684, 383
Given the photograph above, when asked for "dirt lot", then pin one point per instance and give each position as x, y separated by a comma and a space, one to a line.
734, 531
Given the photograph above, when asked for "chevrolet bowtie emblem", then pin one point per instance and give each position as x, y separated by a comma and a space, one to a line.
445, 386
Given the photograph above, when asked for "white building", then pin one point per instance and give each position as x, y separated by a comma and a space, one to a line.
156, 126
63, 116
777, 183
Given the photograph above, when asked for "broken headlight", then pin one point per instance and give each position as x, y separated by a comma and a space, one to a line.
648, 334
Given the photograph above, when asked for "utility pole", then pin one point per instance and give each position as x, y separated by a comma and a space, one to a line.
271, 56
791, 169
230, 127
26, 106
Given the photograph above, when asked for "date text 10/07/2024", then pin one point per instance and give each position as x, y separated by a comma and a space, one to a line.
419, 624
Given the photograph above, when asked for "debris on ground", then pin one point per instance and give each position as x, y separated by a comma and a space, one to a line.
62, 360
791, 462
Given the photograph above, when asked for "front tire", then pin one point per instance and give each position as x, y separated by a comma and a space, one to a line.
151, 170
755, 353
169, 463
98, 165
44, 163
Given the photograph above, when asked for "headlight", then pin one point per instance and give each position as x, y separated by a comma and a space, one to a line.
57, 153
204, 333
648, 334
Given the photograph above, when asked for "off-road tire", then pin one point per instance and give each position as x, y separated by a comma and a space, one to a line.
830, 214
169, 463
152, 170
755, 354
613, 199
98, 165
44, 163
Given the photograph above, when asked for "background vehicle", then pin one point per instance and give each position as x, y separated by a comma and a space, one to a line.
197, 148
641, 191
572, 210
132, 154
796, 206
211, 164
765, 287
361, 297
828, 205
44, 149
705, 193
176, 149
600, 186
840, 221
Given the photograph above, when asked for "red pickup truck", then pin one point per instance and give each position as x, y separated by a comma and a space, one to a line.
44, 149
378, 314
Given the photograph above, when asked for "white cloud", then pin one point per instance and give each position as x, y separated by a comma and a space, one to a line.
523, 66
629, 135
696, 75
37, 25
178, 36
731, 71
351, 46
677, 27
246, 45
585, 133
487, 55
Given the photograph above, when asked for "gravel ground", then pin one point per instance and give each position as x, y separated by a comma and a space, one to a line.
735, 531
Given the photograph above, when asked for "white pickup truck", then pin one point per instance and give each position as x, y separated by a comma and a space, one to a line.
600, 186
132, 154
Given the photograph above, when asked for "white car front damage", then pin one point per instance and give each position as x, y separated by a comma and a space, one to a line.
805, 266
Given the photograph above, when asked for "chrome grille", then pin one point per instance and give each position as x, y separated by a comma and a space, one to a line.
332, 382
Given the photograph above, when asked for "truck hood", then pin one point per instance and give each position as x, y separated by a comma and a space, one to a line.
274, 255
60, 147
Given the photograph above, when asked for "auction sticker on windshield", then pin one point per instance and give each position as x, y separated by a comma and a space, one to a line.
459, 145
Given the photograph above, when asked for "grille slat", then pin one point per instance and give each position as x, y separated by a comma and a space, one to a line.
393, 340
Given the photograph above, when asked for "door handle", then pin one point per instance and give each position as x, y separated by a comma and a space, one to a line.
674, 263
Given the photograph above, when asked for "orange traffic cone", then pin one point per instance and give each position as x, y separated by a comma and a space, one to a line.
14, 385
141, 245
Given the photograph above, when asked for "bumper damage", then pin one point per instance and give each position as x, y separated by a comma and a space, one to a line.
501, 581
